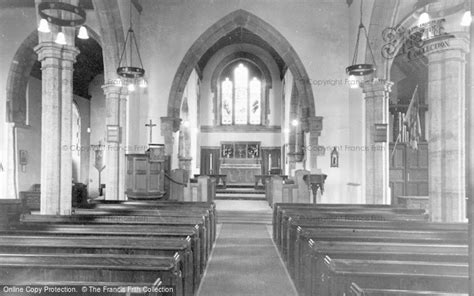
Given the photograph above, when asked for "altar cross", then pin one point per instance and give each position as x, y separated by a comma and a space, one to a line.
151, 125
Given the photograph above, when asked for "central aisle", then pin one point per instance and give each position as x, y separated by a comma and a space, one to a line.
245, 261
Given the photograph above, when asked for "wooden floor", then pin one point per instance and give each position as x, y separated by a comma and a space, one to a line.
245, 262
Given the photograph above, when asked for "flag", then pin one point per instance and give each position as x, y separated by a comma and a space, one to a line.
412, 120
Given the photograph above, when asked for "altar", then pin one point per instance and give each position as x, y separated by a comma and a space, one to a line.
240, 161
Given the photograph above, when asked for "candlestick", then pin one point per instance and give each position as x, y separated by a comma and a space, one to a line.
210, 163
269, 162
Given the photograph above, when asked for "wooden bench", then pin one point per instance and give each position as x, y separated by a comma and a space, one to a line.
301, 249
292, 236
305, 274
28, 268
113, 245
10, 211
355, 290
337, 275
278, 207
127, 220
210, 206
153, 210
105, 230
342, 214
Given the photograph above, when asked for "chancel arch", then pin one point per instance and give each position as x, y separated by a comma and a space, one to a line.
230, 25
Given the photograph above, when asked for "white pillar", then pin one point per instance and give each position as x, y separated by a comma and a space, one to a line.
56, 160
446, 136
115, 101
377, 158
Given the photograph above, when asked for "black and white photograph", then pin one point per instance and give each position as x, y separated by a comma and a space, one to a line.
236, 147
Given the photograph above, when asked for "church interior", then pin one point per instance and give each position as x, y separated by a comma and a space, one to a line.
237, 147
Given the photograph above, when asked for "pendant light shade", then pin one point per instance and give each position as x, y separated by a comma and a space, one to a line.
60, 39
83, 33
466, 19
361, 69
423, 19
44, 26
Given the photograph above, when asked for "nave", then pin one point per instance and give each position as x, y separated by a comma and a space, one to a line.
323, 249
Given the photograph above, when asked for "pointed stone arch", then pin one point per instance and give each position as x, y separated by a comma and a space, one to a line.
239, 19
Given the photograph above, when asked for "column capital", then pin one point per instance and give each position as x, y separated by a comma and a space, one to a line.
112, 90
315, 124
55, 51
453, 48
376, 86
169, 124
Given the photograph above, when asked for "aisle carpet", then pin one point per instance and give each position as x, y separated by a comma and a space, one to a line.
245, 262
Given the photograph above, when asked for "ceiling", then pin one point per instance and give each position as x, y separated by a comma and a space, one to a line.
242, 36
89, 64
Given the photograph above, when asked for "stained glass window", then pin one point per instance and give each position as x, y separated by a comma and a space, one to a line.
255, 94
241, 78
227, 101
241, 97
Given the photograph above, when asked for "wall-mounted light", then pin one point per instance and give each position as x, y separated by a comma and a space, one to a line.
294, 122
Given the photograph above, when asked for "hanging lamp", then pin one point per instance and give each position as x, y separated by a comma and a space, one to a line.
131, 74
55, 12
361, 69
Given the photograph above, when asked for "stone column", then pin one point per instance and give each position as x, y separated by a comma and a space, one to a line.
124, 96
115, 102
169, 125
377, 157
56, 159
446, 135
9, 188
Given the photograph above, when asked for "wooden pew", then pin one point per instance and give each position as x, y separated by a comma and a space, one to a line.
105, 230
278, 207
342, 214
28, 268
210, 206
337, 275
306, 274
18, 244
370, 214
301, 250
127, 220
10, 211
165, 211
293, 223
355, 290
282, 213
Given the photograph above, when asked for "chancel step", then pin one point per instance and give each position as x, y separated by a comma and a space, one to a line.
244, 217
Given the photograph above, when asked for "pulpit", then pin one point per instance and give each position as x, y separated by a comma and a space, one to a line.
145, 177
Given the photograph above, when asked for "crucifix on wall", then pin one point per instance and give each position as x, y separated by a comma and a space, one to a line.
151, 125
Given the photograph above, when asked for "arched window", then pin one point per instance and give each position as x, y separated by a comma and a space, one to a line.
241, 95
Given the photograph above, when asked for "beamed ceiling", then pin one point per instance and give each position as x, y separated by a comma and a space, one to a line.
242, 36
